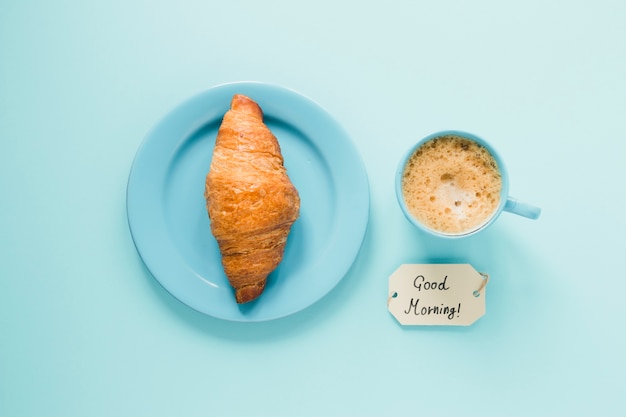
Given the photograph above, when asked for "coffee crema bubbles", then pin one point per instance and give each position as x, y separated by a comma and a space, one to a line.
452, 185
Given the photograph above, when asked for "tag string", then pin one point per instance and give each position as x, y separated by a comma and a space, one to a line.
482, 284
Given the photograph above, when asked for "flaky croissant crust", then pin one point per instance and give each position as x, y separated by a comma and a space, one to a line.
250, 199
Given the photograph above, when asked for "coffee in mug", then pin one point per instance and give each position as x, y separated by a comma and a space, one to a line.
454, 184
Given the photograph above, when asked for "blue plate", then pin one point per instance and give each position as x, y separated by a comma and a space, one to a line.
170, 226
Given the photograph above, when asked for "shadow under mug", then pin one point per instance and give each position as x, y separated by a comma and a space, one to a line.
507, 203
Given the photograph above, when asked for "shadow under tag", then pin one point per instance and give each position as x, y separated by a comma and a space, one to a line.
437, 294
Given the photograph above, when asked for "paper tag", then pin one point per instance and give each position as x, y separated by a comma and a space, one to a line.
437, 294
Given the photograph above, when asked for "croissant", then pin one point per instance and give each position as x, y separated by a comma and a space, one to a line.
250, 200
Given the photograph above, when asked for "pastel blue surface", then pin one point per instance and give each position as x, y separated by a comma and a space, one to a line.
168, 218
85, 329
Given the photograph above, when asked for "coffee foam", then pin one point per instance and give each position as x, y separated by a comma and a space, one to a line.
452, 184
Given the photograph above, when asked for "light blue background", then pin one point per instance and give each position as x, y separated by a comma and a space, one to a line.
86, 331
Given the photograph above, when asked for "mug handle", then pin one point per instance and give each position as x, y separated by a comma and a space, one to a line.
515, 206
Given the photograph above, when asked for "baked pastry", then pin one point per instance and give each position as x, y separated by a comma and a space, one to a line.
250, 200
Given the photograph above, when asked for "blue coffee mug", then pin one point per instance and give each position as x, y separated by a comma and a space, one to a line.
507, 203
